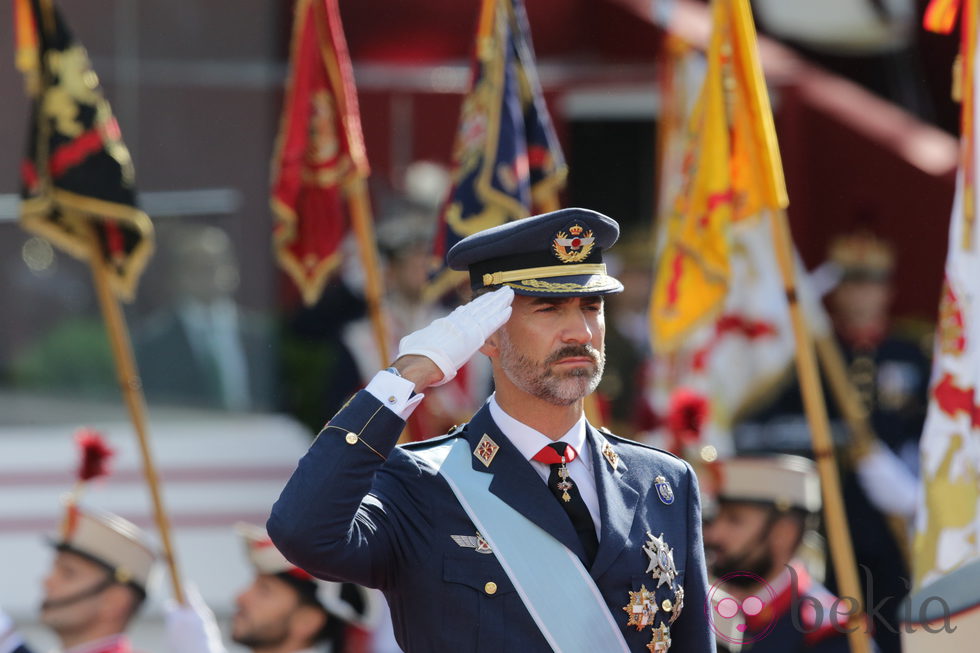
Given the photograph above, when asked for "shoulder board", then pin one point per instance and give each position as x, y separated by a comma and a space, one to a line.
455, 432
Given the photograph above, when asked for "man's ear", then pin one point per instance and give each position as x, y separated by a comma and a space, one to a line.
491, 348
784, 533
118, 605
306, 622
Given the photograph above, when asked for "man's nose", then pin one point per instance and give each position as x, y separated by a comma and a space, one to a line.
576, 328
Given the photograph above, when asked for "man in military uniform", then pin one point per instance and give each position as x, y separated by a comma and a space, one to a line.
526, 529
891, 375
763, 507
97, 582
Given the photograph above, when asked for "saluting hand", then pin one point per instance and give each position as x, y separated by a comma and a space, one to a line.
449, 342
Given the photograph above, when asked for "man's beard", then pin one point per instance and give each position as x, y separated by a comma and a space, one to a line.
541, 381
262, 638
760, 565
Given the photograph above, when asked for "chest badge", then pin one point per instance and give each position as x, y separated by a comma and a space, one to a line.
678, 604
611, 456
473, 542
573, 244
664, 491
485, 450
661, 556
642, 608
660, 643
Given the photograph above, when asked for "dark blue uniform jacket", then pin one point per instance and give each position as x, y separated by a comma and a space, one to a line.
348, 515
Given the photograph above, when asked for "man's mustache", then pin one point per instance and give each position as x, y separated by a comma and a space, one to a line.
574, 351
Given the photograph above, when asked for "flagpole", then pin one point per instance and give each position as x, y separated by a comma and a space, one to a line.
838, 533
360, 212
832, 362
122, 353
132, 391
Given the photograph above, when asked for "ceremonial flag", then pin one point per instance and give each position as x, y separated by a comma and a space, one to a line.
506, 158
731, 172
719, 303
319, 152
77, 178
948, 520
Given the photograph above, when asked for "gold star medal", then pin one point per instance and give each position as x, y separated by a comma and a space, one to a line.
642, 608
660, 643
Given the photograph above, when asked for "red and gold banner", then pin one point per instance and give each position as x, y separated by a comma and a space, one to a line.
319, 152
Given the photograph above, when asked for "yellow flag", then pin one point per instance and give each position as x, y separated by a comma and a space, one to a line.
731, 171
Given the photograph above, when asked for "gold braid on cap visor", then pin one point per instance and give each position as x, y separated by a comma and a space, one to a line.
546, 271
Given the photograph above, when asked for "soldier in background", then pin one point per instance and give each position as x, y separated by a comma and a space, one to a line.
890, 372
764, 508
97, 582
283, 610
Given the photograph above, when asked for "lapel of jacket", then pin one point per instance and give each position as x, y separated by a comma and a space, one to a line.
617, 501
518, 485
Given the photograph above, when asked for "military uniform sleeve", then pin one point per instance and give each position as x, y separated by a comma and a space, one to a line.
692, 632
335, 517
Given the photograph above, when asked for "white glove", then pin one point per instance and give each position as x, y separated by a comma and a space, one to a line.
889, 484
451, 341
9, 639
191, 628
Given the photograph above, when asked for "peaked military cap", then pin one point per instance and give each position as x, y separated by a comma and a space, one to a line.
557, 254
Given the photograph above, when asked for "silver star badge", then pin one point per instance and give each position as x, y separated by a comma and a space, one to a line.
661, 556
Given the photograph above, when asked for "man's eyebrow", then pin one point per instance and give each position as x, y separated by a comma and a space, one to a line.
548, 300
555, 301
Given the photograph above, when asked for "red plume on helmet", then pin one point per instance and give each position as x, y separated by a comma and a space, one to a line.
95, 454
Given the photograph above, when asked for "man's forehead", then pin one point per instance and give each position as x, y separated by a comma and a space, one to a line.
742, 508
556, 301
76, 561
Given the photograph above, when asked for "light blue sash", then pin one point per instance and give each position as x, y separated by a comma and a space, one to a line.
556, 589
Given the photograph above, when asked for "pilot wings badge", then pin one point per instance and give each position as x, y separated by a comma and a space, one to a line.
473, 542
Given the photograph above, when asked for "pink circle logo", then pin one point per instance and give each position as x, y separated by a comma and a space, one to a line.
727, 615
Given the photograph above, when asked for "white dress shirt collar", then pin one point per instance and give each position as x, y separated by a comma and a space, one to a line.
529, 441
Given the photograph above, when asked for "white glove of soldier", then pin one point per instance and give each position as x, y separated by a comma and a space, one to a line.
191, 628
889, 484
451, 341
9, 639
